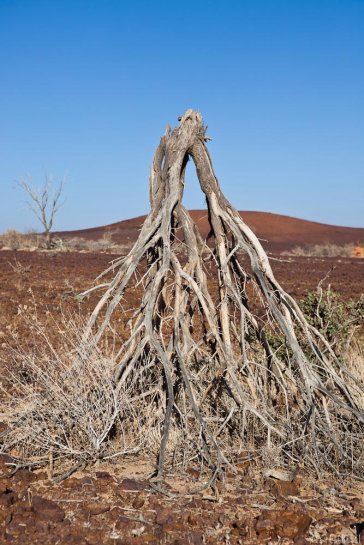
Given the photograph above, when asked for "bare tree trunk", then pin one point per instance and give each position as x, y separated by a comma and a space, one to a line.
48, 240
228, 354
44, 205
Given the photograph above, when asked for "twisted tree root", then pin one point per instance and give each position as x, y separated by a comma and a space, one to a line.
218, 356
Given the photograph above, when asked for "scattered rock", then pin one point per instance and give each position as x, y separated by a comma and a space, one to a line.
23, 476
290, 524
132, 484
87, 481
120, 520
138, 502
164, 516
7, 496
280, 474
195, 538
103, 475
71, 484
95, 508
241, 500
283, 489
47, 509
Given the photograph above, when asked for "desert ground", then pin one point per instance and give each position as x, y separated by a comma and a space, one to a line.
114, 502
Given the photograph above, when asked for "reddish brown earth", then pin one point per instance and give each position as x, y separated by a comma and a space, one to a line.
277, 232
115, 504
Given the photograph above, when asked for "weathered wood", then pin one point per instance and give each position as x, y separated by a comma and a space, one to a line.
217, 358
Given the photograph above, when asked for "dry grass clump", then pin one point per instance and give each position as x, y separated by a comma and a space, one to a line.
62, 408
322, 250
14, 240
355, 358
104, 244
11, 239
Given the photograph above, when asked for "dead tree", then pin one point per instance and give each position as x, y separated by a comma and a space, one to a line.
223, 355
43, 204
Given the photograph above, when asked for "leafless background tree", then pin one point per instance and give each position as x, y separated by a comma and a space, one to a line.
44, 202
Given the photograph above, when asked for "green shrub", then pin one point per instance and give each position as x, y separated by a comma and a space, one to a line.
335, 318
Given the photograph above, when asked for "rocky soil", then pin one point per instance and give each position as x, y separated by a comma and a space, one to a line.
116, 503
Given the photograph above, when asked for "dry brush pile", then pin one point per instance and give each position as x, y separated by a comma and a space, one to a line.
218, 358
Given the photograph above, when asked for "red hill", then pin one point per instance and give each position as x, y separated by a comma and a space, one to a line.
277, 232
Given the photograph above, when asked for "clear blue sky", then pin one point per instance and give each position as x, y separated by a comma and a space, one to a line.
87, 88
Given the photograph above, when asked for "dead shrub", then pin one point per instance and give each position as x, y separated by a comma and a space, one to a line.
104, 244
11, 239
322, 250
62, 407
14, 240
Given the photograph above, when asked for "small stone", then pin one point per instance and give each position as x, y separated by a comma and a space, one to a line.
132, 484
138, 502
95, 508
289, 524
71, 484
47, 509
282, 489
7, 498
24, 476
86, 481
194, 473
164, 516
103, 475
